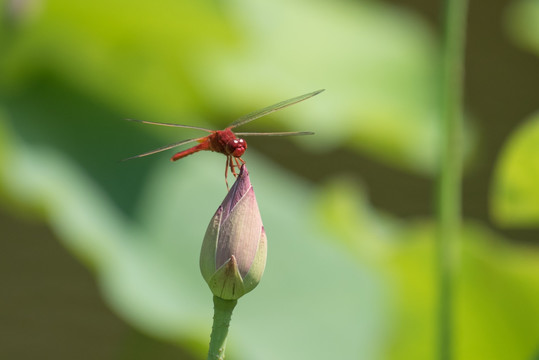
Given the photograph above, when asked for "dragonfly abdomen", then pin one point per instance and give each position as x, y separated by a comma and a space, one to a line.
192, 150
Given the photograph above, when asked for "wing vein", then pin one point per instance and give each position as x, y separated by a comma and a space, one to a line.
170, 125
162, 148
286, 133
272, 108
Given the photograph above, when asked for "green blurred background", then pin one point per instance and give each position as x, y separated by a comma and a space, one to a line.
99, 258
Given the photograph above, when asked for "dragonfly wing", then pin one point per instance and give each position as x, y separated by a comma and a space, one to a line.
163, 148
272, 108
293, 133
169, 124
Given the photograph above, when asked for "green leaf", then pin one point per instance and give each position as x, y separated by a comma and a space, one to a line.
183, 60
361, 288
497, 298
127, 53
497, 294
515, 189
147, 266
522, 20
377, 65
367, 279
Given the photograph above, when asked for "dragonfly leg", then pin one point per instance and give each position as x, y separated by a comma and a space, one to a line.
232, 163
232, 166
239, 162
226, 172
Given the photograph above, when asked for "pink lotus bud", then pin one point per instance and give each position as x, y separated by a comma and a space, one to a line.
233, 255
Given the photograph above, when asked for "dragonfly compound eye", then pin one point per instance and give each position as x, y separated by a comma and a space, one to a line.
237, 147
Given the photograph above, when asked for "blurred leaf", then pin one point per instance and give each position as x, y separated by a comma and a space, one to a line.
376, 63
522, 19
498, 294
126, 53
363, 287
515, 190
176, 60
498, 298
148, 266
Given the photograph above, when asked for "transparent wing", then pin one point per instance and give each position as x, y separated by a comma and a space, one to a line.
171, 125
293, 133
268, 110
163, 148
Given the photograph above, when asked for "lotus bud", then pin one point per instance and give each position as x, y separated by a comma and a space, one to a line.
233, 255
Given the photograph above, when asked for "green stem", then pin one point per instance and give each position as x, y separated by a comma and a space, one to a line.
449, 182
219, 332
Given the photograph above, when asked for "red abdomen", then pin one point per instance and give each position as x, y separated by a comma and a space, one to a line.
204, 145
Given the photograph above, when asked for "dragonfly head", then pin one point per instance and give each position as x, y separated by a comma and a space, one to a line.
236, 147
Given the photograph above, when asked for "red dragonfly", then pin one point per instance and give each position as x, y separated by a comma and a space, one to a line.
225, 141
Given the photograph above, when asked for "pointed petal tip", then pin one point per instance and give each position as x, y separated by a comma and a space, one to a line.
243, 171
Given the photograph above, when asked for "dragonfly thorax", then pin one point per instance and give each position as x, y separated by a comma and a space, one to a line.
236, 147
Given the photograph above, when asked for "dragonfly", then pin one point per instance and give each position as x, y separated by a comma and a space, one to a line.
227, 141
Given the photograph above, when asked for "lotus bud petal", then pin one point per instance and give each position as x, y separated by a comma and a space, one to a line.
233, 255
